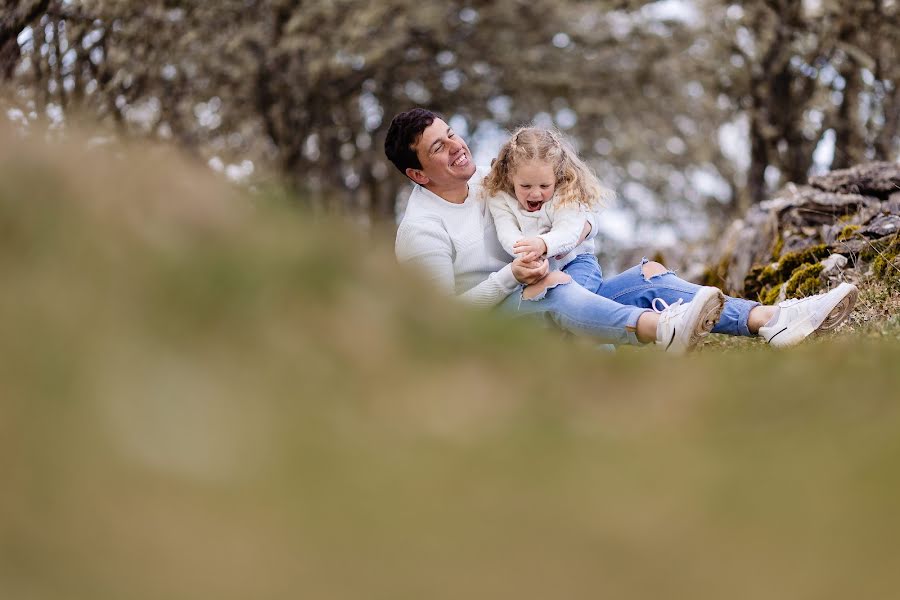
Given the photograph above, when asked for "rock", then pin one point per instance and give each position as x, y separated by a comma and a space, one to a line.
799, 240
892, 204
819, 208
881, 226
833, 264
747, 242
851, 247
879, 179
853, 215
787, 197
830, 233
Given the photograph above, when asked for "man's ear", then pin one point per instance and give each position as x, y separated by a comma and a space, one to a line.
418, 176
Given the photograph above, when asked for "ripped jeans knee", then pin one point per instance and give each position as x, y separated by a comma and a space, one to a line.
652, 269
537, 291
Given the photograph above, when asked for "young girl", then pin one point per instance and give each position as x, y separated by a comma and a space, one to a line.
541, 195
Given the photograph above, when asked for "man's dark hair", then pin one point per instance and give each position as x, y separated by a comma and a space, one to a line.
404, 132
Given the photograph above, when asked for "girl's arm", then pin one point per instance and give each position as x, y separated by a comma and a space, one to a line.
566, 230
508, 229
593, 219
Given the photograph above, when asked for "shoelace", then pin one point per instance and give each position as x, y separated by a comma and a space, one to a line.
665, 305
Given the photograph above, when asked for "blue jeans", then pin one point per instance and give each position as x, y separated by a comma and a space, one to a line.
585, 271
609, 310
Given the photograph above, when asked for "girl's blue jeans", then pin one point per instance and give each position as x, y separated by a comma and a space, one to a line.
609, 310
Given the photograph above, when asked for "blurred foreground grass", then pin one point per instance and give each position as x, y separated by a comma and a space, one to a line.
208, 396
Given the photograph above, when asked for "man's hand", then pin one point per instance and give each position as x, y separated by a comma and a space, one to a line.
529, 268
533, 245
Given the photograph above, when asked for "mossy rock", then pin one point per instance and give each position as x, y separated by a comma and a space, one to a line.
764, 282
847, 232
778, 247
771, 296
883, 264
881, 253
879, 247
790, 261
752, 285
805, 281
716, 275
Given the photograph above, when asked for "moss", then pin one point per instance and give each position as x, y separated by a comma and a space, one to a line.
763, 282
716, 275
804, 281
752, 285
881, 253
879, 266
770, 296
790, 261
876, 248
778, 247
770, 275
848, 232
883, 264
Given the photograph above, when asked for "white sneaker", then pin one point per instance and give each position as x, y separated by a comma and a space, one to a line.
800, 317
682, 325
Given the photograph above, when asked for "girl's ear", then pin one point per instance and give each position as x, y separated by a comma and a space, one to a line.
418, 176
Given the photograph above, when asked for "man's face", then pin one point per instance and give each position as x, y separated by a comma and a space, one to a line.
445, 158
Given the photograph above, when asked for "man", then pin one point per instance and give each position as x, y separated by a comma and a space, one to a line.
448, 232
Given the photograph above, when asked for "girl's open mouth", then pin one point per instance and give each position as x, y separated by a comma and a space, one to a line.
534, 206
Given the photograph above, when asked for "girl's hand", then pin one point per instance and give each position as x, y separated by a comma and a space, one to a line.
528, 271
533, 245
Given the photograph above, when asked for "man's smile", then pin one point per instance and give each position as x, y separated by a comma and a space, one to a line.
462, 161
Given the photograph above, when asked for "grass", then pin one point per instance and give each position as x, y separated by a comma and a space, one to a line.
204, 395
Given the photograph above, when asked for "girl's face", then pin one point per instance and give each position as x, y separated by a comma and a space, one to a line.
533, 182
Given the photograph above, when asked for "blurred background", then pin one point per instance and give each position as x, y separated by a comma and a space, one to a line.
691, 109
216, 382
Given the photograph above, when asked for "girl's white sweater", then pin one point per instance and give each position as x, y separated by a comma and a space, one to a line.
560, 228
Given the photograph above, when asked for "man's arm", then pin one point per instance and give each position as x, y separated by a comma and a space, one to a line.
426, 244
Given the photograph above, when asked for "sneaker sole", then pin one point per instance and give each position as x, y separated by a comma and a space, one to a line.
708, 315
841, 311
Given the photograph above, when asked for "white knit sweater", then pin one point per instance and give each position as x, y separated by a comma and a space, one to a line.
560, 228
456, 245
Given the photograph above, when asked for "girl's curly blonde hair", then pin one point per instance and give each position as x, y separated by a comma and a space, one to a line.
575, 182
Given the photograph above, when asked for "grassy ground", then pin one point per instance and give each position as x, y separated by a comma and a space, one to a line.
204, 395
